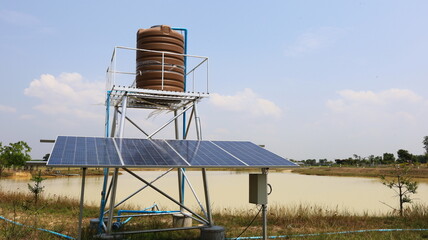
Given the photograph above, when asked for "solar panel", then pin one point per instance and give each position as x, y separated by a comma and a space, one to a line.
149, 153
203, 153
84, 151
143, 152
252, 154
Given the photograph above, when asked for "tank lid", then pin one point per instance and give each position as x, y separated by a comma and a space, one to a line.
164, 28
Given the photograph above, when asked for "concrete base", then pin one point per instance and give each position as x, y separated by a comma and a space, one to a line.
181, 220
213, 233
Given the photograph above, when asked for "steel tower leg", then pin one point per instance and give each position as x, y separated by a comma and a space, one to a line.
112, 201
123, 115
116, 170
179, 173
204, 171
108, 133
207, 197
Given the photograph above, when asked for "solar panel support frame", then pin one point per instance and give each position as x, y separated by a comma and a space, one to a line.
189, 102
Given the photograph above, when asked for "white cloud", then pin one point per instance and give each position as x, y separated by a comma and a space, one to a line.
17, 18
384, 111
387, 100
246, 101
312, 41
67, 95
7, 109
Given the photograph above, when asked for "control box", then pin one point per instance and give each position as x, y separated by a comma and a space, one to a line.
258, 188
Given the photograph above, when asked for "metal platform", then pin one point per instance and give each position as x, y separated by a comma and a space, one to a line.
152, 99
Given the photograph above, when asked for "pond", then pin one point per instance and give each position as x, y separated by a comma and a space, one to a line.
229, 190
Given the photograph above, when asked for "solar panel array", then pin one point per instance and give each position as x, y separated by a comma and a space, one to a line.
155, 153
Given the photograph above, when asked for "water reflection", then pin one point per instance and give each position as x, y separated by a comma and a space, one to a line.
230, 190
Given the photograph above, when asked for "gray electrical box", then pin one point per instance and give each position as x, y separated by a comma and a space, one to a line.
258, 188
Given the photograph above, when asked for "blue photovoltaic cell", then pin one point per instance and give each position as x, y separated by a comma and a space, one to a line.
108, 152
84, 151
252, 154
147, 152
203, 153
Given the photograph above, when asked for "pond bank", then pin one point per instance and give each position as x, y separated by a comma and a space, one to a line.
376, 172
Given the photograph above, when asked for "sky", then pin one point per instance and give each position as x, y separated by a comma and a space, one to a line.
307, 79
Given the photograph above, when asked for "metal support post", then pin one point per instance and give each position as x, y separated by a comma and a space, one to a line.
264, 210
103, 200
180, 187
188, 124
264, 215
123, 117
204, 171
107, 119
82, 198
176, 125
179, 173
114, 122
106, 170
197, 122
207, 197
112, 200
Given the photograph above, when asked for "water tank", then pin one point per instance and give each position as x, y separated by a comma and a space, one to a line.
149, 64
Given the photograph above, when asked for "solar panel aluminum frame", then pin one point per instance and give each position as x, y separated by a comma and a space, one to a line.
159, 153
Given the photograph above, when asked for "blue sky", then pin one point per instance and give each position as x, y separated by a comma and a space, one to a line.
309, 79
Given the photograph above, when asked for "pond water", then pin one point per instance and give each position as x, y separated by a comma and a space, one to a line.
229, 189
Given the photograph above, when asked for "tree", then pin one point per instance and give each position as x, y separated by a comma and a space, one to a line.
404, 156
37, 187
402, 184
388, 158
425, 142
310, 162
323, 162
15, 154
420, 158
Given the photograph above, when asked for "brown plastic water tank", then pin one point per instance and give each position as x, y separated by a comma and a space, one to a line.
149, 64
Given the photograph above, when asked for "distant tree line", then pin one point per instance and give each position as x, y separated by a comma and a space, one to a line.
403, 156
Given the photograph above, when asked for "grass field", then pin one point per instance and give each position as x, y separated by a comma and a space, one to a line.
421, 172
61, 215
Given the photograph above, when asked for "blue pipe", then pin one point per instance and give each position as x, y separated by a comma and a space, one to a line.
184, 30
119, 223
103, 192
41, 229
332, 233
185, 53
119, 213
103, 201
142, 211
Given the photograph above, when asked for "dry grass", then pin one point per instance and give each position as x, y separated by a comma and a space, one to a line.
312, 219
422, 172
61, 215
